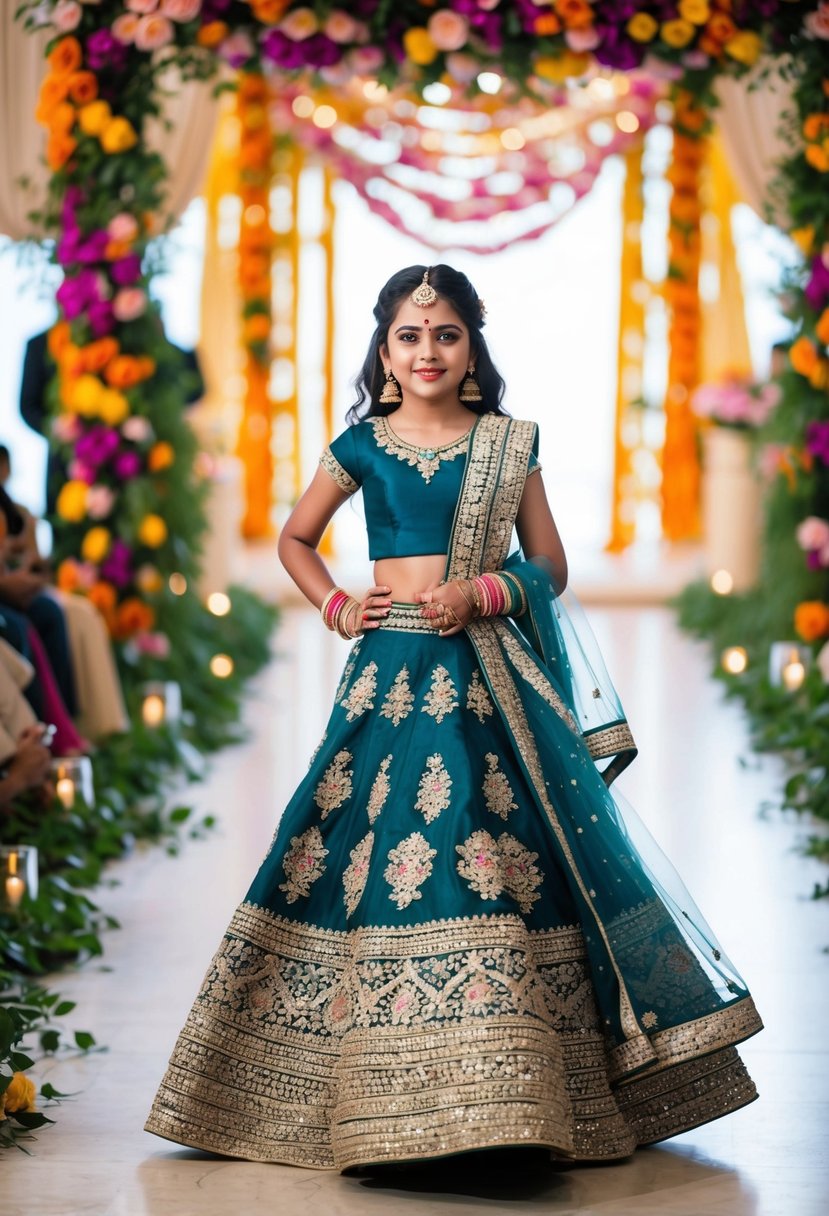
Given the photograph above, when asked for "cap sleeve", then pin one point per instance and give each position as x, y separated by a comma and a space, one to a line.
533, 464
340, 461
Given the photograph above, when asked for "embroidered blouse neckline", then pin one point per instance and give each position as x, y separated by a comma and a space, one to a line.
426, 459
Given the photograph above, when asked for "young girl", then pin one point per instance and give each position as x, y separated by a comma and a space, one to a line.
453, 942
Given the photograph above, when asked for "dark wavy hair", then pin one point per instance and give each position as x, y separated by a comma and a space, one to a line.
456, 289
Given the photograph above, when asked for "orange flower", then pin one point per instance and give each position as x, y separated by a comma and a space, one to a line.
819, 375
83, 87
103, 595
125, 371
161, 456
63, 118
546, 24
252, 85
257, 328
822, 328
817, 157
574, 13
98, 354
67, 577
58, 150
803, 356
269, 11
721, 28
53, 90
816, 126
133, 616
212, 34
66, 57
59, 338
811, 620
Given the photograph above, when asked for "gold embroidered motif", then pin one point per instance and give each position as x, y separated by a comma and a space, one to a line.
407, 618
492, 866
649, 1019
336, 784
479, 864
609, 740
303, 864
363, 692
497, 791
433, 791
441, 698
410, 864
333, 467
379, 790
355, 874
399, 699
318, 748
478, 699
425, 460
532, 673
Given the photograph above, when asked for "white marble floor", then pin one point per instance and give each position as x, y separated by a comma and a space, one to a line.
699, 790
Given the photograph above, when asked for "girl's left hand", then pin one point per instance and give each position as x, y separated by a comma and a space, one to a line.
444, 603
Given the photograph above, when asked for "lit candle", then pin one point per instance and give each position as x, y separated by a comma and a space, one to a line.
15, 885
793, 675
65, 789
152, 711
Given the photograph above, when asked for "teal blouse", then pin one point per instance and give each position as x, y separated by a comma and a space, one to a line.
409, 493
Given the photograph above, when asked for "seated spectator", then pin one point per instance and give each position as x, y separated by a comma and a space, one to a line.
24, 758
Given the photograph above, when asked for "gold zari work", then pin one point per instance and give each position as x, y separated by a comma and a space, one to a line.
327, 1049
333, 467
425, 460
399, 699
336, 785
433, 794
379, 790
441, 698
410, 864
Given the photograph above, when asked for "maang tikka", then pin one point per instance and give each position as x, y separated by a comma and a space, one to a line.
424, 296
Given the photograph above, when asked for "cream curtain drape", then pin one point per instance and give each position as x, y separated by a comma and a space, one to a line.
191, 110
750, 116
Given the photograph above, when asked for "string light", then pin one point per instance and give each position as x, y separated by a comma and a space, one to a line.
218, 603
324, 117
734, 660
303, 106
722, 582
627, 121
221, 666
490, 82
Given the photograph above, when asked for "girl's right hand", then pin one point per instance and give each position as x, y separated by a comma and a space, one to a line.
374, 607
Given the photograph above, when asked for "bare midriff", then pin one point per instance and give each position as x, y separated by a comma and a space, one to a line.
408, 575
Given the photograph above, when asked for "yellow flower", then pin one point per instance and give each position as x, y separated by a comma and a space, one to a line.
113, 407
642, 27
94, 117
152, 531
84, 396
677, 33
161, 456
118, 136
697, 11
419, 46
745, 47
71, 503
95, 544
561, 67
20, 1094
819, 375
804, 238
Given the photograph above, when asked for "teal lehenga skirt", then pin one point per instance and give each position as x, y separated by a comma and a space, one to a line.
415, 972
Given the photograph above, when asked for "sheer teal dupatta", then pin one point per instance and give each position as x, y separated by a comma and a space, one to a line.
666, 991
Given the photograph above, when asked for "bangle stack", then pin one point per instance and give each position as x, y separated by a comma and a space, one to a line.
494, 595
335, 611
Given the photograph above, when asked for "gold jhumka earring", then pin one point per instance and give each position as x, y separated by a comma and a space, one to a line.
470, 389
391, 390
425, 295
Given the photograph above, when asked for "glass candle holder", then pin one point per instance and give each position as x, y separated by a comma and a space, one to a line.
160, 703
72, 776
788, 664
18, 875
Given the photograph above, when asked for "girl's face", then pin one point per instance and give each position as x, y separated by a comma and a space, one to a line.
428, 351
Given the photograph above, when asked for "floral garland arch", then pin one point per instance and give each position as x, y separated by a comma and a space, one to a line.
126, 517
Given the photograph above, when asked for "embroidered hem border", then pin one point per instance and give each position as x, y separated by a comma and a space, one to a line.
298, 1049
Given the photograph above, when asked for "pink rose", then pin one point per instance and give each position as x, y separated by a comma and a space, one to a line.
813, 535
237, 49
137, 429
124, 28
340, 27
78, 471
448, 30
181, 10
123, 227
66, 428
581, 40
142, 6
157, 645
99, 501
66, 15
153, 32
129, 303
87, 574
299, 24
462, 68
818, 23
